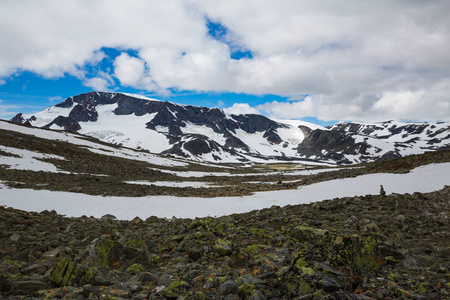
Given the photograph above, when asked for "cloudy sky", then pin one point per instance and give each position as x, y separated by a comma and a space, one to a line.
317, 60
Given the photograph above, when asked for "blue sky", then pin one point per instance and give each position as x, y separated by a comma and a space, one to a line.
294, 60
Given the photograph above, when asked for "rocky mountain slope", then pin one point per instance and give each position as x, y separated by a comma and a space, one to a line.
209, 134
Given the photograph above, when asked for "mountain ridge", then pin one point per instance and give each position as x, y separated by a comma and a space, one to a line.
210, 134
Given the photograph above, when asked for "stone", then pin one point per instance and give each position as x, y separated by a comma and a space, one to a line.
410, 263
257, 295
104, 252
223, 247
54, 253
15, 237
400, 218
229, 287
387, 250
109, 217
28, 286
137, 221
176, 289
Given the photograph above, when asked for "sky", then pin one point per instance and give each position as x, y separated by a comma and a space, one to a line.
313, 60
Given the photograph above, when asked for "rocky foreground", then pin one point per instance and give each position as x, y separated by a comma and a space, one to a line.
372, 247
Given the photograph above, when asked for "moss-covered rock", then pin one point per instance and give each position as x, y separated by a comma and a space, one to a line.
105, 252
67, 272
176, 289
339, 248
135, 268
223, 247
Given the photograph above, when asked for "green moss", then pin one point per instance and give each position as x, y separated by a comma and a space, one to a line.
103, 248
304, 288
392, 277
13, 264
138, 244
223, 247
176, 289
310, 232
221, 279
135, 268
68, 272
155, 259
246, 290
291, 287
62, 272
301, 263
307, 271
260, 233
421, 288
253, 250
371, 244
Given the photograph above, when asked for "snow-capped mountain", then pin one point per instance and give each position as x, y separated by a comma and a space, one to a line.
209, 134
358, 142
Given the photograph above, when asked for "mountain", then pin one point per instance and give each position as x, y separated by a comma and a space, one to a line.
210, 134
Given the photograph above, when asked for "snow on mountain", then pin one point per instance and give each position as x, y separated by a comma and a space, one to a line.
209, 134
77, 140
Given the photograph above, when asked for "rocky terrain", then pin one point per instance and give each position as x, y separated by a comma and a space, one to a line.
372, 247
209, 134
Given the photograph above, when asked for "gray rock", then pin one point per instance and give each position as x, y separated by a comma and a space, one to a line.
109, 217
15, 237
229, 287
52, 253
257, 295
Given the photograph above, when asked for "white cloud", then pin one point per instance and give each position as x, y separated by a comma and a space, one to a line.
7, 111
102, 82
241, 108
362, 60
2, 81
55, 99
97, 83
129, 70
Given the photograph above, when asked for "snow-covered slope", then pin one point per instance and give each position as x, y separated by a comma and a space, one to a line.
209, 134
26, 159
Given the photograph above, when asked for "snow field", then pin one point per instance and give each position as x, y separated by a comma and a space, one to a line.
423, 179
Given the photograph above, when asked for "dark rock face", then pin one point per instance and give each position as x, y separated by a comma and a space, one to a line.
66, 123
95, 98
256, 123
18, 119
84, 113
335, 144
199, 146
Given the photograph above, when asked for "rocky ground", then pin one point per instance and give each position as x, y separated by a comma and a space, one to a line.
372, 247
